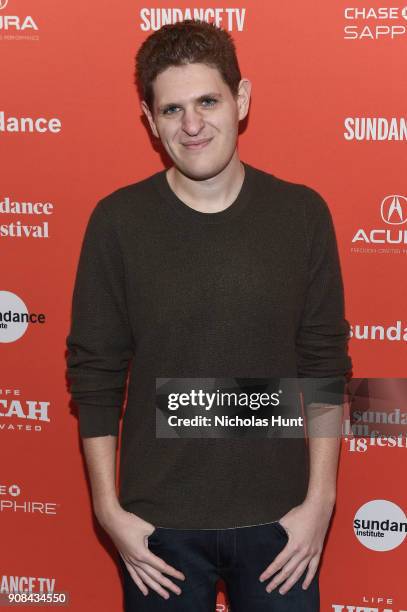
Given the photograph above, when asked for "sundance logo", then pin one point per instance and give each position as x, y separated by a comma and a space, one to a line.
14, 317
24, 229
375, 128
393, 212
228, 18
29, 124
361, 445
26, 584
379, 332
380, 525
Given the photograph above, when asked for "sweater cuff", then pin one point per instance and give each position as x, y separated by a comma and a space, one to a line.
97, 421
326, 390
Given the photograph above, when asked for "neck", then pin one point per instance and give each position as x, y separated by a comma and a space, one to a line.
213, 194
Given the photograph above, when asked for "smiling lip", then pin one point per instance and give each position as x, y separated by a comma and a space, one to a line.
197, 144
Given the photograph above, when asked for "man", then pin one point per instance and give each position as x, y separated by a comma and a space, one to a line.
211, 268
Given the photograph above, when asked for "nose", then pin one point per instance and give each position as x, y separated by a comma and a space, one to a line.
192, 122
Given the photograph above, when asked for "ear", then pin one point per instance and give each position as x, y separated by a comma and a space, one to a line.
243, 97
149, 116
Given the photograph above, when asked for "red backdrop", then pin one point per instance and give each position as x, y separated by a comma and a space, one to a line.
312, 67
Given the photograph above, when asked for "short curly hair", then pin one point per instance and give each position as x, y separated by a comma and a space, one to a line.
186, 42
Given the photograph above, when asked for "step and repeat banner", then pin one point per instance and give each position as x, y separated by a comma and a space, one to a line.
328, 110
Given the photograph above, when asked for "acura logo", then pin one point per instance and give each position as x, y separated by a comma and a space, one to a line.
3, 4
394, 209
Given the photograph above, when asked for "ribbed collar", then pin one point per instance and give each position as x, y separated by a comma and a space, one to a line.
238, 205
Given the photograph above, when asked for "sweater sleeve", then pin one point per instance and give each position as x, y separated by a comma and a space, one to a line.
322, 336
100, 341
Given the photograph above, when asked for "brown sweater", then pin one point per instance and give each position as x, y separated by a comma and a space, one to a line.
163, 290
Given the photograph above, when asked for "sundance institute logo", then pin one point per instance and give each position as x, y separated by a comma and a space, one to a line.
15, 317
380, 525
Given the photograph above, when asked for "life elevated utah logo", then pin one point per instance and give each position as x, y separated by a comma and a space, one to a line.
10, 24
393, 213
15, 317
18, 414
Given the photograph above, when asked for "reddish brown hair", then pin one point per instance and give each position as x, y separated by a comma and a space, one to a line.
186, 42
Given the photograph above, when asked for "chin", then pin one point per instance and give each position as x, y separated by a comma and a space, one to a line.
202, 171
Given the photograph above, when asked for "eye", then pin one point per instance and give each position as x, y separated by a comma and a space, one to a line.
169, 109
210, 101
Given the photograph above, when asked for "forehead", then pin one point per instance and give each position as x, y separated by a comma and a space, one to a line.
186, 82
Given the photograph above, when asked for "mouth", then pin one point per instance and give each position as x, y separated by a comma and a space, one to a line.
196, 144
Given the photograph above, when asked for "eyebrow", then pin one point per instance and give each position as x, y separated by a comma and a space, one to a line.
213, 94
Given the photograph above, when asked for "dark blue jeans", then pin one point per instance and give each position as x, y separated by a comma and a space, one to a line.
237, 555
